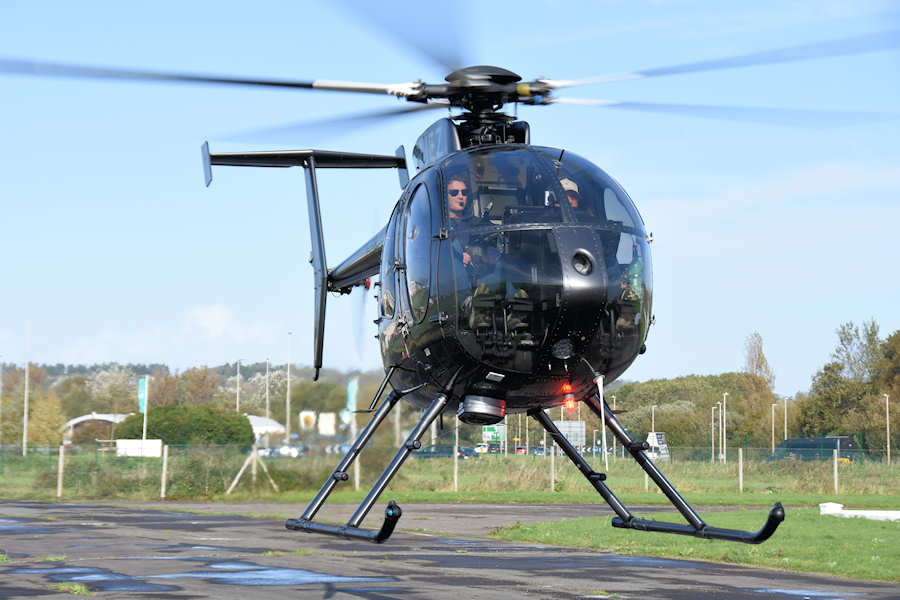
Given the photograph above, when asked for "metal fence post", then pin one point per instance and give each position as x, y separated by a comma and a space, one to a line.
741, 470
835, 453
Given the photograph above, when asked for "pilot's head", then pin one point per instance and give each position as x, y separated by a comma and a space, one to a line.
571, 189
457, 196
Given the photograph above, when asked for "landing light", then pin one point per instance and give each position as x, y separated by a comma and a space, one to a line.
569, 402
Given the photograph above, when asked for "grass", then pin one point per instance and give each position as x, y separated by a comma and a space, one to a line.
60, 558
806, 542
77, 589
3, 558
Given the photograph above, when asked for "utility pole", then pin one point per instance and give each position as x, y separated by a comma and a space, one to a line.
237, 387
712, 433
724, 427
887, 424
287, 397
267, 387
653, 419
25, 413
773, 428
785, 419
719, 408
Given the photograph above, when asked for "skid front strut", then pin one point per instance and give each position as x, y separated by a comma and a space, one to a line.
696, 527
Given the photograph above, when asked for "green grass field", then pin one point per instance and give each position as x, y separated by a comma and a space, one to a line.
806, 541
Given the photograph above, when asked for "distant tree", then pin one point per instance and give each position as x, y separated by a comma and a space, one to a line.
858, 352
45, 419
755, 362
200, 386
76, 398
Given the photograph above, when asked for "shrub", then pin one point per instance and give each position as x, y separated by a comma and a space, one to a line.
189, 425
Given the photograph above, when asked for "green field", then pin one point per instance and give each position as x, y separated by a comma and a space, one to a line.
806, 542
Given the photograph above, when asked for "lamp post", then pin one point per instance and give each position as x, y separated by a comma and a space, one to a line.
287, 397
724, 426
773, 427
267, 387
785, 419
712, 433
653, 419
719, 408
25, 412
887, 425
237, 387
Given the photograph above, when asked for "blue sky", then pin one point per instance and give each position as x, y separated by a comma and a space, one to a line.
114, 251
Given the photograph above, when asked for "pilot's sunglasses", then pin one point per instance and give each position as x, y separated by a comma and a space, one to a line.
455, 192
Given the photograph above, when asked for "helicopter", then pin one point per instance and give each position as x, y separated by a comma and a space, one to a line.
534, 292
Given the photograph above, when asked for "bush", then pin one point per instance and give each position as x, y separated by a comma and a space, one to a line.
189, 425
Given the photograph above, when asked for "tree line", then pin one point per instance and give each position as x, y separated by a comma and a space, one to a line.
846, 395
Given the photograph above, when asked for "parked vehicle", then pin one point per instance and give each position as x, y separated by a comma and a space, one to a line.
446, 451
481, 448
539, 451
521, 450
821, 448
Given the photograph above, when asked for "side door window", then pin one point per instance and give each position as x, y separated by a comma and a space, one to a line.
417, 252
388, 270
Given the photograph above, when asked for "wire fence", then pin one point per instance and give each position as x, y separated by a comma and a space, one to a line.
97, 471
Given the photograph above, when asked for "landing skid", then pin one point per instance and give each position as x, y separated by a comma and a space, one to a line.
696, 527
392, 513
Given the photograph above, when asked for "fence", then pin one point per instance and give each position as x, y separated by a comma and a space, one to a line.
202, 472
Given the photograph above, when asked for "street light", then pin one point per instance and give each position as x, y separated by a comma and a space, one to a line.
719, 407
785, 419
237, 387
773, 427
712, 433
267, 387
653, 419
887, 424
724, 425
287, 397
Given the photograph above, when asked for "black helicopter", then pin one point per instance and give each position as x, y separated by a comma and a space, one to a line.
513, 277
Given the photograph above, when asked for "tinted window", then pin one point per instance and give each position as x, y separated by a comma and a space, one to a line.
388, 279
418, 251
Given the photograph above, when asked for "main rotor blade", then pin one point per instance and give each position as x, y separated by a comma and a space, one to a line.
876, 42
334, 125
50, 69
437, 39
791, 117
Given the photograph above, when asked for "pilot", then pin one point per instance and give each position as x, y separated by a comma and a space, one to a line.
458, 208
571, 189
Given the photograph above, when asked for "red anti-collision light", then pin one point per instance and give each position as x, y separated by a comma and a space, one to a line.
567, 388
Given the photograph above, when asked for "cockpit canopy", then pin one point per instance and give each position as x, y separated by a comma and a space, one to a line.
545, 261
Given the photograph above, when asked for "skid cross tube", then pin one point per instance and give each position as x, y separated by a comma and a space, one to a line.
393, 511
696, 526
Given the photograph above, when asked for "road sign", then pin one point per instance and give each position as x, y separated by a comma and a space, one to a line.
493, 433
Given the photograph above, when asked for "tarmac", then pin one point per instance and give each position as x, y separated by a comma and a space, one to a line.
438, 552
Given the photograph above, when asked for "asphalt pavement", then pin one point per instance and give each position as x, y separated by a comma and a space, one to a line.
439, 552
